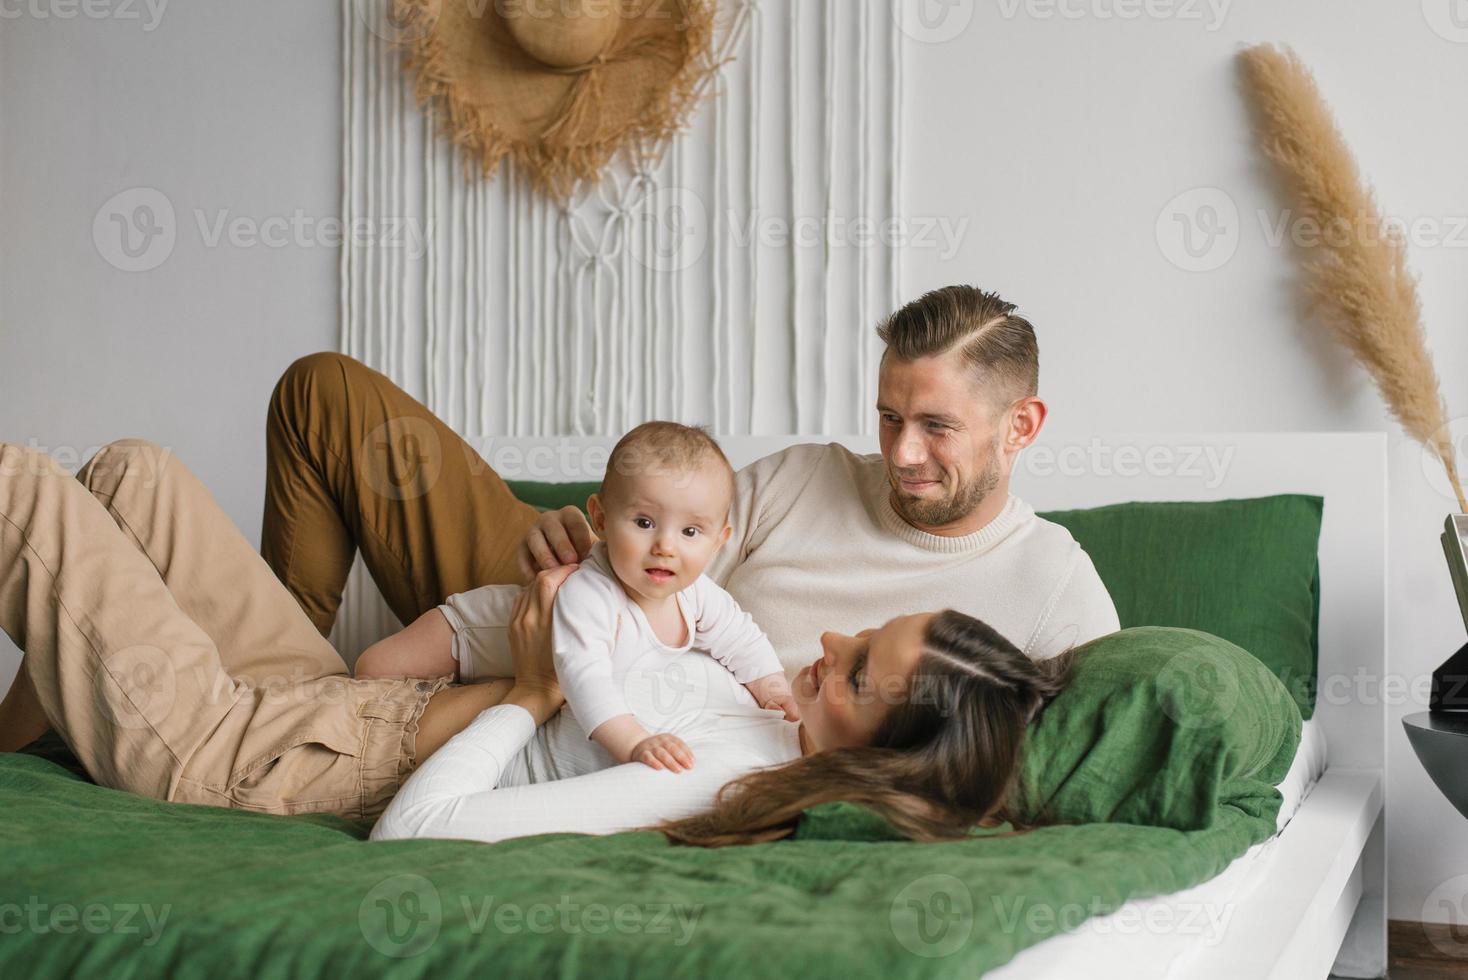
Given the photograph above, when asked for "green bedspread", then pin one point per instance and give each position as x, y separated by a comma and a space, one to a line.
102, 883
1163, 754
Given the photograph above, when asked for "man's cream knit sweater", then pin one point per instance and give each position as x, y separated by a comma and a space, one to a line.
817, 546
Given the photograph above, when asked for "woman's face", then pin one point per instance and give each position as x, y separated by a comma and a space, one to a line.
845, 695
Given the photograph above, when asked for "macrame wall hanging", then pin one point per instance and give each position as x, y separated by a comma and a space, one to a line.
734, 280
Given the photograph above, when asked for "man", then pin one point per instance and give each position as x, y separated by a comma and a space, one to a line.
826, 539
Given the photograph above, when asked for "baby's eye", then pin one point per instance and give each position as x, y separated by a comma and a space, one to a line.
690, 532
642, 522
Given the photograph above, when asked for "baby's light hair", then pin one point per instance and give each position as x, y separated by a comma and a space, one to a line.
665, 449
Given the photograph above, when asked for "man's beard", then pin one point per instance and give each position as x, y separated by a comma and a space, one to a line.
940, 512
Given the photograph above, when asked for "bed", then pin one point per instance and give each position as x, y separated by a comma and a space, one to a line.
248, 893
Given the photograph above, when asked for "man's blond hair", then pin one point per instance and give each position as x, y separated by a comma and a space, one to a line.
995, 341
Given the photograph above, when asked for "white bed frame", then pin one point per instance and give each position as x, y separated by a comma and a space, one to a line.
1324, 910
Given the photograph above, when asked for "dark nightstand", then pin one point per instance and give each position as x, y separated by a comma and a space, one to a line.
1441, 743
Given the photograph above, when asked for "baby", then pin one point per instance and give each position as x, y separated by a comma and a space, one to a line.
662, 514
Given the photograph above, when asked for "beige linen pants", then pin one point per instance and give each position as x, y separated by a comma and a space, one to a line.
170, 658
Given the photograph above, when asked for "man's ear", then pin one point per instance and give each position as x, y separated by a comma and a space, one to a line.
1026, 418
597, 514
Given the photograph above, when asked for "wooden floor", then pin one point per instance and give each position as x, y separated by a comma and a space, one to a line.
1426, 951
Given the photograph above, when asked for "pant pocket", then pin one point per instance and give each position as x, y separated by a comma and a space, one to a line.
315, 772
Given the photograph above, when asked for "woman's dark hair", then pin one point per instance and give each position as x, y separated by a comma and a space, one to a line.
943, 760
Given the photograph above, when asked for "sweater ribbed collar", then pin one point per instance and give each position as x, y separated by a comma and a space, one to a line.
1015, 513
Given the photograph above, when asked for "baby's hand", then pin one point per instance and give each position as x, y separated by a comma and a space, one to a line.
663, 752
773, 691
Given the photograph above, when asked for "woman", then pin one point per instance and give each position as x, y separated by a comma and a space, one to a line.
175, 665
922, 720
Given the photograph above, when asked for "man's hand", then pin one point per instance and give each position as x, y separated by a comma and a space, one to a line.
663, 752
559, 537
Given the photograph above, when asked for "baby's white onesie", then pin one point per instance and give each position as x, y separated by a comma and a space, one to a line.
608, 659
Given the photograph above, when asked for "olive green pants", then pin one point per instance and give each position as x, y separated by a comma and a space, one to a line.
353, 462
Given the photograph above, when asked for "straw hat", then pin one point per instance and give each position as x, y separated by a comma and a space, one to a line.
560, 85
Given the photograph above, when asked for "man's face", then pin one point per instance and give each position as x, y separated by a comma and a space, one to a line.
939, 442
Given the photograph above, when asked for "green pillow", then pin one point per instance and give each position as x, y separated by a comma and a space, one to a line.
553, 496
1245, 570
1160, 726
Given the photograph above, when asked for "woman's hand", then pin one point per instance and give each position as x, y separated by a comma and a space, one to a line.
536, 687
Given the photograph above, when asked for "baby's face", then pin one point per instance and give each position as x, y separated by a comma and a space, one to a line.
661, 530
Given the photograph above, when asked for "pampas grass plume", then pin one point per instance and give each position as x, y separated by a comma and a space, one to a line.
1356, 277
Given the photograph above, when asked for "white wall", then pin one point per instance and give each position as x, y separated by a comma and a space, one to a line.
223, 108
1060, 140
